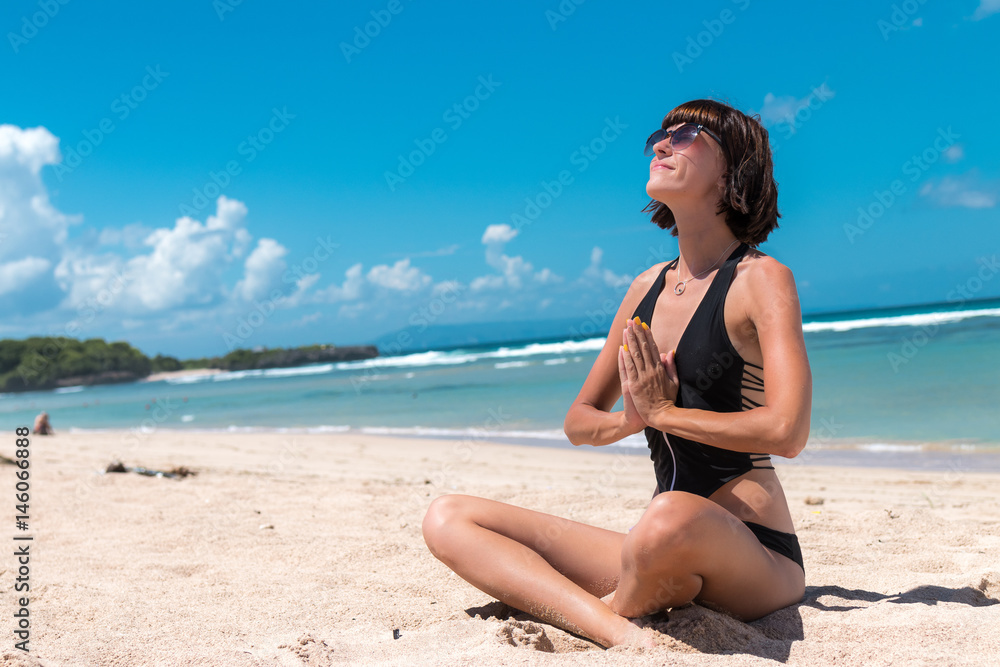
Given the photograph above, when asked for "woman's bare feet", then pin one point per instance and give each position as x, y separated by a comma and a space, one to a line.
635, 636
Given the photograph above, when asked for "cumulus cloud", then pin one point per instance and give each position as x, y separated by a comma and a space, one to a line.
349, 290
400, 277
793, 111
986, 8
183, 266
515, 272
954, 153
262, 271
31, 149
498, 234
595, 273
965, 191
130, 236
32, 231
18, 274
186, 263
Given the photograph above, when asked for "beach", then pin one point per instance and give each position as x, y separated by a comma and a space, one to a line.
306, 549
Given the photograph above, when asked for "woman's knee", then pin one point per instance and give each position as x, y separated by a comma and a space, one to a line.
667, 532
442, 516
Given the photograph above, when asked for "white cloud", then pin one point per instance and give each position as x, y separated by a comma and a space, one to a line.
965, 191
262, 271
595, 273
18, 274
986, 8
954, 153
30, 227
400, 277
498, 234
187, 261
790, 110
131, 236
91, 281
32, 148
447, 288
486, 283
348, 291
546, 277
515, 272
184, 266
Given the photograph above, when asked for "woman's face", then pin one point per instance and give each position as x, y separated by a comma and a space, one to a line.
692, 174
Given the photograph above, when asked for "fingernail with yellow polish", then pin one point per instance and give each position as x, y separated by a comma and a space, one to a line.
626, 347
637, 320
645, 326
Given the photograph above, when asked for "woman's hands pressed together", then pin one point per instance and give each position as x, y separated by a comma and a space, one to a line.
649, 378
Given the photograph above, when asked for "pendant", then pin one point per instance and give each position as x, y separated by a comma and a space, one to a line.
679, 288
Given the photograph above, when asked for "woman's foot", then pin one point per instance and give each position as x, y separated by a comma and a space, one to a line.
633, 634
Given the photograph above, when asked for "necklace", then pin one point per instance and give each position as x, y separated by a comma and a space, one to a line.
679, 287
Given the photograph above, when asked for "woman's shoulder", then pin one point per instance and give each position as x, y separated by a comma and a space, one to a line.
644, 281
758, 269
762, 282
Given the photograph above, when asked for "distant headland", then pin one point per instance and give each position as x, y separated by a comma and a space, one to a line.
51, 362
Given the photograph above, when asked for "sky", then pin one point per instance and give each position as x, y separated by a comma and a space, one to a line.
194, 177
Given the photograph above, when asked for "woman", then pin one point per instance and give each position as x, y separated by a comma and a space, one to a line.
733, 388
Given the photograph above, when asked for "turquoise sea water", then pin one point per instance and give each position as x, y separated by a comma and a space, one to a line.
923, 379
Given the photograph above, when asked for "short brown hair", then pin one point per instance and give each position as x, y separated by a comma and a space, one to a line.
750, 200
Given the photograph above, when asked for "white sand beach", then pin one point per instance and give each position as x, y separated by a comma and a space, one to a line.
307, 550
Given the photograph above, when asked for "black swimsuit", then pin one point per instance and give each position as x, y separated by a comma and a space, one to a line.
712, 377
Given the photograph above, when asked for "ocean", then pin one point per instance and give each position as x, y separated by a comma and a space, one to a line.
914, 380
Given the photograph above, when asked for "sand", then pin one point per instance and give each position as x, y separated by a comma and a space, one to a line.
306, 550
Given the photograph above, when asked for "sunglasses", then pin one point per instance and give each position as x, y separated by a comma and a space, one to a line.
680, 138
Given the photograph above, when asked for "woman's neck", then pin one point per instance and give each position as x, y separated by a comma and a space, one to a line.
704, 248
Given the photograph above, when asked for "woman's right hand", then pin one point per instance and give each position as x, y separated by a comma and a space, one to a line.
633, 422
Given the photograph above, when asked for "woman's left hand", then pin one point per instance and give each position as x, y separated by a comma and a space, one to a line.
652, 377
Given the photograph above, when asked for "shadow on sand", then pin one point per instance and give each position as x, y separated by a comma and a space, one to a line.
695, 628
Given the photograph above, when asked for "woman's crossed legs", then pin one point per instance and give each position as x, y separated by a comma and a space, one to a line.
684, 548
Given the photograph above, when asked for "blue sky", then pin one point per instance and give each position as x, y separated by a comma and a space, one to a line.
195, 176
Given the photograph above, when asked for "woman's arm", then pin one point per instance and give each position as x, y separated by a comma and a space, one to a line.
588, 420
781, 426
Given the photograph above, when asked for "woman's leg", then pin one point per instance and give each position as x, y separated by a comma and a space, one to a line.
686, 548
550, 567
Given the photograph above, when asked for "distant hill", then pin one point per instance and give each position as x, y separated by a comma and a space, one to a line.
48, 362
